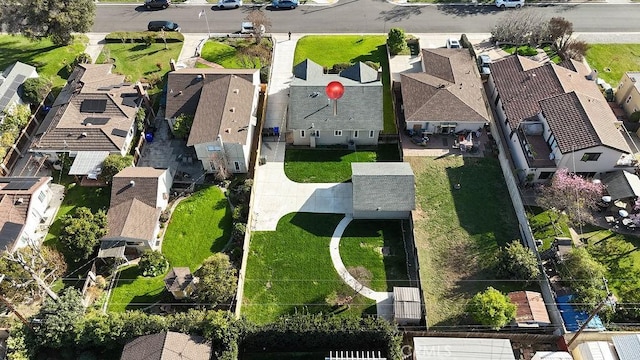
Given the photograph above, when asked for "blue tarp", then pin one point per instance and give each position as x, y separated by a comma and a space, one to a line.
574, 318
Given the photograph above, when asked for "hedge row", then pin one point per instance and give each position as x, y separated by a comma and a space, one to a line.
140, 36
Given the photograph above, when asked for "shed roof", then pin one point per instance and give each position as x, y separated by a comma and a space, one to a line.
530, 307
87, 161
383, 186
406, 303
167, 346
438, 348
178, 279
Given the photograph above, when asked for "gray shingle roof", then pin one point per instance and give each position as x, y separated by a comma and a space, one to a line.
307, 70
383, 186
621, 184
360, 108
167, 346
11, 79
360, 72
574, 107
448, 90
178, 279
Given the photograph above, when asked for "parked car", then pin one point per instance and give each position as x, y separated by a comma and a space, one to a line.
483, 65
453, 44
509, 3
247, 28
285, 4
163, 25
229, 4
157, 4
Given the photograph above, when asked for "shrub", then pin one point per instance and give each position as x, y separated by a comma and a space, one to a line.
139, 37
337, 68
240, 213
113, 164
396, 41
239, 229
373, 65
153, 263
464, 41
35, 89
182, 126
635, 117
264, 74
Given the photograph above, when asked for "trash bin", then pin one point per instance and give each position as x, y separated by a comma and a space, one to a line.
148, 137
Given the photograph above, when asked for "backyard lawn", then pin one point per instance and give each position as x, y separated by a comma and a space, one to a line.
363, 244
457, 232
290, 270
186, 243
613, 60
547, 225
48, 58
328, 50
228, 53
331, 165
137, 61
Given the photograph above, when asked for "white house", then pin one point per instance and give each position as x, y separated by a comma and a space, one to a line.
138, 197
224, 104
23, 202
554, 117
95, 111
10, 80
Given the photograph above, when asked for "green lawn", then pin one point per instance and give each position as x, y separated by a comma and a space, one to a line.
362, 245
547, 225
137, 61
48, 58
226, 53
290, 270
328, 50
458, 232
613, 60
331, 165
524, 50
186, 243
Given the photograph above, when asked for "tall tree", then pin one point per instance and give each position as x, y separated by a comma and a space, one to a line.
560, 30
515, 261
572, 194
28, 272
57, 319
396, 41
492, 308
584, 275
55, 19
81, 232
218, 280
113, 164
261, 24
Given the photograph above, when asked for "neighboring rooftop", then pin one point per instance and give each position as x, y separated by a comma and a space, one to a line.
449, 89
10, 80
439, 348
621, 185
530, 307
383, 186
15, 196
178, 279
94, 112
167, 346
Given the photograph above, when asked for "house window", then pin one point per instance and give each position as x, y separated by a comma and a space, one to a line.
628, 99
42, 196
337, 133
371, 133
590, 157
302, 133
237, 165
546, 175
355, 133
213, 148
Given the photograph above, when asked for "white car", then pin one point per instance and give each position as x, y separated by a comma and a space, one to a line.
247, 28
229, 4
509, 4
453, 44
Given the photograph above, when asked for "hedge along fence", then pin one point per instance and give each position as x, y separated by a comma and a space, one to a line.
124, 37
323, 333
464, 41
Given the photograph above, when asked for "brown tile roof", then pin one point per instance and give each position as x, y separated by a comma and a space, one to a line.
133, 211
69, 127
167, 346
178, 279
449, 90
530, 307
574, 107
210, 95
13, 213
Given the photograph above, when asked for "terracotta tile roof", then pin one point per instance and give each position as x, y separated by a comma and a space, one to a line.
167, 346
530, 307
179, 278
574, 107
71, 126
449, 89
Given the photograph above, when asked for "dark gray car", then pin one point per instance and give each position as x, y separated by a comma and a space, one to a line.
163, 25
157, 4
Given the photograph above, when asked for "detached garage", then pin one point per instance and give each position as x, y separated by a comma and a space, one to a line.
383, 190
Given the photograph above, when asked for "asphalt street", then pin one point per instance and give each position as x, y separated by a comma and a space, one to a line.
366, 16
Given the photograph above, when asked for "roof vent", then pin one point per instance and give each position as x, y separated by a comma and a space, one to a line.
180, 92
233, 109
132, 183
228, 130
236, 91
441, 86
20, 201
199, 77
88, 124
84, 134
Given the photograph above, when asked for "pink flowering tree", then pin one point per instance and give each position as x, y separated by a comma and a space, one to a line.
572, 194
635, 217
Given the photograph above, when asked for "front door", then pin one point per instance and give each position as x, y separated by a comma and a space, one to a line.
417, 127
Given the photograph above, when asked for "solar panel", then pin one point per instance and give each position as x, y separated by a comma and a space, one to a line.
118, 132
20, 78
20, 185
9, 234
95, 120
130, 101
5, 101
93, 105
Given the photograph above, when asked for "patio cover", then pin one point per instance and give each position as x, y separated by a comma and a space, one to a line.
622, 184
86, 162
112, 249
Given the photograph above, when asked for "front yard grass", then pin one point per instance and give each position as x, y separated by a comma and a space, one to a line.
613, 60
228, 53
331, 165
48, 58
378, 247
186, 244
290, 270
458, 232
138, 61
327, 50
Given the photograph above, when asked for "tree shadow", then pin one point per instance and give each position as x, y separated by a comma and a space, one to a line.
399, 13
